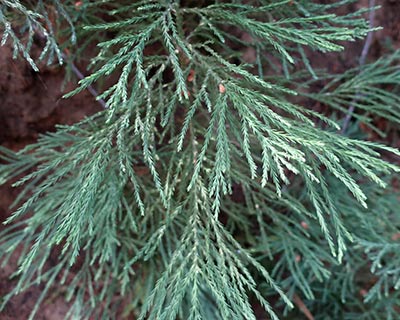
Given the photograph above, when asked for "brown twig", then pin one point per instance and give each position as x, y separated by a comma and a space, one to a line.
80, 76
302, 307
76, 71
363, 58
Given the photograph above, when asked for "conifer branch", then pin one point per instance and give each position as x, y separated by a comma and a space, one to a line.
171, 201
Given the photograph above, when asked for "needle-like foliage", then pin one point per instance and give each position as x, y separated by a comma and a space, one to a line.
208, 184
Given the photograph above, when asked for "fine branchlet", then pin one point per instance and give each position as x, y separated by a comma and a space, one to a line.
208, 185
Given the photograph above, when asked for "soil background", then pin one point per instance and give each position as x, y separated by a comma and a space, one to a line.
31, 103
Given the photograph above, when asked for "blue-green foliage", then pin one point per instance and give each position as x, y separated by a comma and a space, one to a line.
139, 199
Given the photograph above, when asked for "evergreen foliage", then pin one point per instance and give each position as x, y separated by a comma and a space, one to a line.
208, 183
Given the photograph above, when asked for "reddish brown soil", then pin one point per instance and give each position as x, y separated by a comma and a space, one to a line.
31, 103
